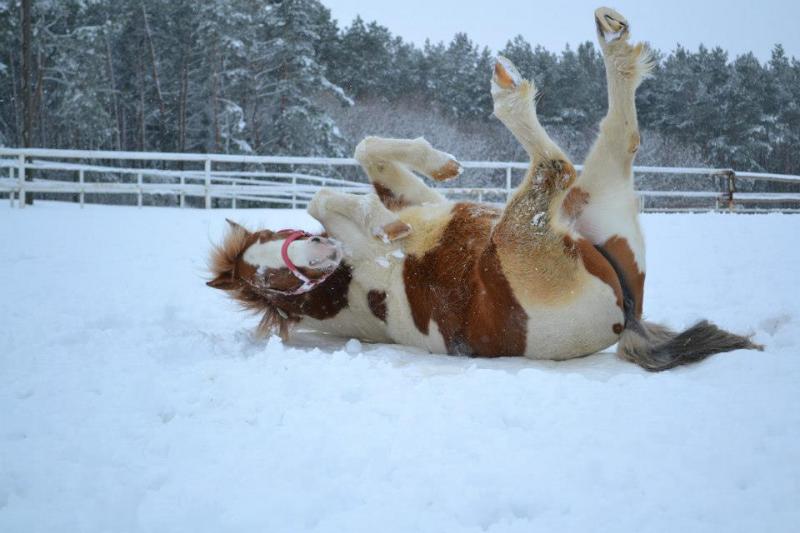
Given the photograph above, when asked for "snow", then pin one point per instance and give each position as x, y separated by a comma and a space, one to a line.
134, 398
339, 92
353, 347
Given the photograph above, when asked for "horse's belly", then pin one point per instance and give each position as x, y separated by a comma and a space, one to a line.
587, 323
590, 322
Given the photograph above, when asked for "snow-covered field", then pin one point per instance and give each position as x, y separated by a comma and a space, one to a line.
133, 398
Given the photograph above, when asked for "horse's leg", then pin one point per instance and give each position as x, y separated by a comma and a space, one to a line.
361, 222
605, 209
389, 162
515, 105
602, 204
532, 242
551, 171
536, 203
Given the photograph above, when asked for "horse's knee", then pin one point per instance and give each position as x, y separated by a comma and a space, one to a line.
364, 152
319, 203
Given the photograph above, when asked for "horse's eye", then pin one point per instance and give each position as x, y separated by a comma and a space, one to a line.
316, 239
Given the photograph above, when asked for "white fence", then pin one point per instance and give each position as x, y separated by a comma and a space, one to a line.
292, 181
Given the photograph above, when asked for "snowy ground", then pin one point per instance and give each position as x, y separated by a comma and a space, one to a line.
133, 398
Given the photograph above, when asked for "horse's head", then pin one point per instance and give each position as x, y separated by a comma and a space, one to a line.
265, 269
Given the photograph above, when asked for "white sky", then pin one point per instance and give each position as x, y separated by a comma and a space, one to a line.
736, 25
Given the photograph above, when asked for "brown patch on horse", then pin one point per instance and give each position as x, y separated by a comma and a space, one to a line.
377, 304
617, 328
387, 196
574, 202
620, 252
282, 310
449, 170
223, 259
597, 265
322, 302
460, 285
497, 323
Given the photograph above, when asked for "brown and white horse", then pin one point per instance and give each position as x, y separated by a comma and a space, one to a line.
558, 273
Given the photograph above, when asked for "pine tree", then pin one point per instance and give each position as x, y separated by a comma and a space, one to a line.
364, 61
782, 108
297, 125
459, 76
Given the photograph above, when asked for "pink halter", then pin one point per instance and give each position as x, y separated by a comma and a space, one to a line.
308, 284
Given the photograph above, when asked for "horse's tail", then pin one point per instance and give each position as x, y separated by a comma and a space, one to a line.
655, 347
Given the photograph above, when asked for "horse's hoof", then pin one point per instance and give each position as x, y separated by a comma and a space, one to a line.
393, 231
449, 170
611, 25
506, 76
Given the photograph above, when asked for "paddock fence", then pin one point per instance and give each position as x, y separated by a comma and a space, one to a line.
219, 180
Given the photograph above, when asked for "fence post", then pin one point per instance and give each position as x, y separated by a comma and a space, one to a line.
139, 188
233, 199
208, 183
294, 192
80, 180
182, 194
21, 179
508, 183
11, 192
731, 189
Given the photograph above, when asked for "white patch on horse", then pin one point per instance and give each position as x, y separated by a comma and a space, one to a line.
303, 253
266, 255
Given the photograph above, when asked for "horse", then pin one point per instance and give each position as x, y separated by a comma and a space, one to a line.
557, 273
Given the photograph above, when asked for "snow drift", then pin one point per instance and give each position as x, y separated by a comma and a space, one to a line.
133, 398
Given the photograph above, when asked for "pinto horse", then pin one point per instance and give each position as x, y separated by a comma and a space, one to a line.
558, 273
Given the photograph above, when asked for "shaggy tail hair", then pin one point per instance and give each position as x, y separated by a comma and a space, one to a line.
655, 347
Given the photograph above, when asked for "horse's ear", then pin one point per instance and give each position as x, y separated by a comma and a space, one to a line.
223, 282
235, 226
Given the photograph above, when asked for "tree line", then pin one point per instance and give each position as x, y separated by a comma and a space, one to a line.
281, 77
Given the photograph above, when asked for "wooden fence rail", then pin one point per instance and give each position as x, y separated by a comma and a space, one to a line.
292, 181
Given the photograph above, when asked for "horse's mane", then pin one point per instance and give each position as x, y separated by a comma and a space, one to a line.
222, 263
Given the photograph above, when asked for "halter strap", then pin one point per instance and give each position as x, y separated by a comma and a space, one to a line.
308, 284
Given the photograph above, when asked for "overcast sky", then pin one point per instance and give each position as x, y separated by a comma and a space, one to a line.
736, 25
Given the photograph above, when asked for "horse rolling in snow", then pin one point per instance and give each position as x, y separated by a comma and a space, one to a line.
558, 273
